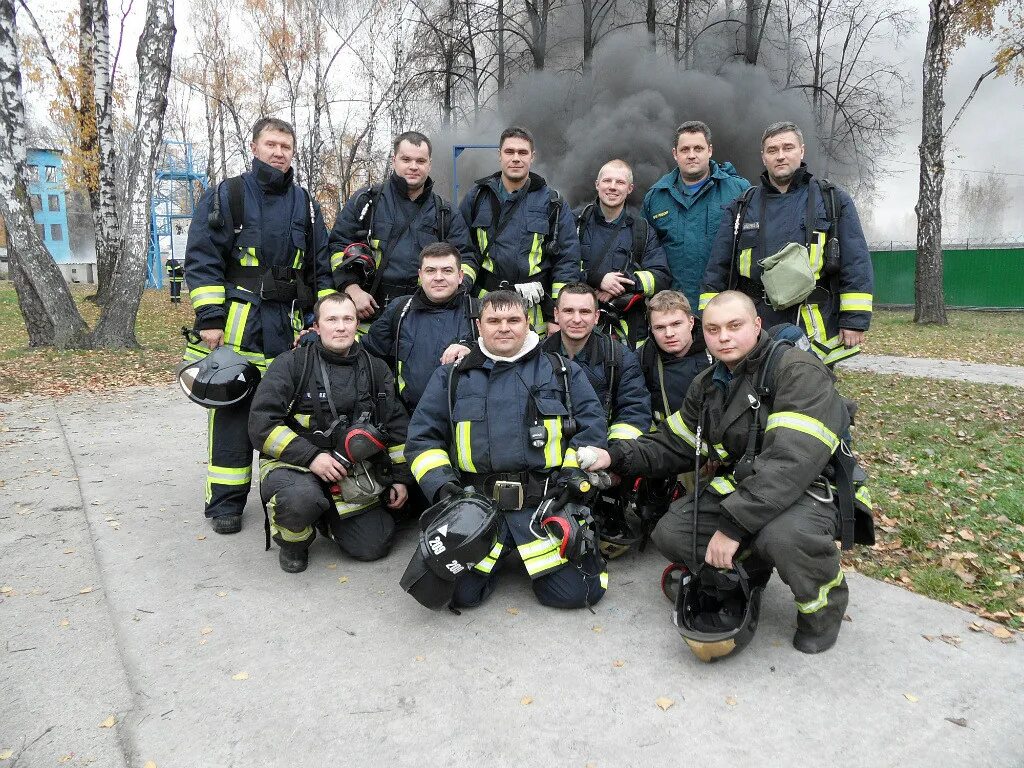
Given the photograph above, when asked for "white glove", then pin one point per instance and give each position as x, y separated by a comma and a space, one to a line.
585, 456
532, 292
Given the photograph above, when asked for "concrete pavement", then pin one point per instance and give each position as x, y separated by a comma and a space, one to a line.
117, 600
932, 368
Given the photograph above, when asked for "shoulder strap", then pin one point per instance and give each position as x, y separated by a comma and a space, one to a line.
584, 219
365, 204
741, 208
444, 217
236, 202
828, 195
398, 329
554, 215
639, 239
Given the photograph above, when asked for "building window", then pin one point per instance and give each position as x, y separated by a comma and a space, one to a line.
53, 202
33, 174
51, 173
56, 232
37, 202
41, 230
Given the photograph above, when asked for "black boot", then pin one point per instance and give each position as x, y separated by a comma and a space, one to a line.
226, 523
294, 557
818, 631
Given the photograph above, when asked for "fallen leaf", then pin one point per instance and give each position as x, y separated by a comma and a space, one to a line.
222, 594
1001, 632
420, 658
966, 534
962, 722
618, 663
911, 698
240, 676
664, 702
512, 611
343, 579
6, 589
332, 566
205, 630
7, 754
731, 701
85, 590
65, 623
597, 628
200, 538
526, 700
69, 551
149, 764
975, 627
110, 722
66, 758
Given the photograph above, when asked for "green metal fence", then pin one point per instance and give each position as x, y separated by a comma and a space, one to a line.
992, 278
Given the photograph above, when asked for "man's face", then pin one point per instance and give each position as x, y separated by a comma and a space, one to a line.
503, 330
337, 326
576, 315
613, 186
781, 156
412, 163
692, 154
516, 157
672, 331
730, 331
275, 148
440, 278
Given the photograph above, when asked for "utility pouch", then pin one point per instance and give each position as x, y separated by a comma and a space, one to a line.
360, 485
787, 276
508, 495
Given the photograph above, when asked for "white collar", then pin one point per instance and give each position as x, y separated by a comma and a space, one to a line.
532, 340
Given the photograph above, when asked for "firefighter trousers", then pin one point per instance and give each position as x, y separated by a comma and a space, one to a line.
229, 459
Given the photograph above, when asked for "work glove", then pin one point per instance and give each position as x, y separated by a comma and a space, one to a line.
586, 456
533, 293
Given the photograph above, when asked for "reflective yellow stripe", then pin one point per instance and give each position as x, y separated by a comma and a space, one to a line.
553, 446
647, 281
249, 258
855, 302
704, 299
801, 422
556, 288
604, 579
815, 254
229, 475
813, 322
206, 295
346, 508
678, 426
269, 465
722, 485
397, 454
464, 445
840, 353
325, 292
428, 460
722, 453
623, 432
863, 495
400, 378
745, 262
481, 241
488, 264
195, 352
541, 555
812, 606
292, 537
536, 254
234, 327
570, 460
469, 272
297, 263
336, 259
378, 254
487, 564
278, 439
303, 419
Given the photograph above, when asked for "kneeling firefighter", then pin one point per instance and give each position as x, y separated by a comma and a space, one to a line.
331, 432
506, 421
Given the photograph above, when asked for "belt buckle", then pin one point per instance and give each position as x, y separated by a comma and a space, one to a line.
508, 495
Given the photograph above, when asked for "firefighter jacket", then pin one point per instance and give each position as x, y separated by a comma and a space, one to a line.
487, 429
399, 228
668, 377
687, 223
607, 246
413, 333
175, 270
627, 405
803, 424
511, 233
282, 418
771, 220
271, 241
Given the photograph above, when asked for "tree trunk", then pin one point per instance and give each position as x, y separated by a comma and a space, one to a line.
116, 326
588, 35
108, 229
929, 296
652, 19
500, 77
51, 317
211, 152
750, 43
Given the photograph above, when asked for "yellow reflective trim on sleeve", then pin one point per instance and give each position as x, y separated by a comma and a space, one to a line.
678, 427
570, 461
249, 258
863, 495
722, 485
704, 299
303, 419
536, 254
815, 605
325, 292
553, 446
855, 302
556, 288
800, 422
840, 353
720, 450
469, 272
621, 431
646, 280
744, 265
464, 445
279, 438
397, 454
206, 295
428, 460
336, 259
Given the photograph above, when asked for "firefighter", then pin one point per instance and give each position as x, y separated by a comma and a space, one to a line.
523, 231
789, 210
396, 219
257, 251
622, 257
175, 277
767, 501
331, 432
506, 420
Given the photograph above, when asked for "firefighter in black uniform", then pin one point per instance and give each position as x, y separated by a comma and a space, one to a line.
257, 251
331, 433
175, 277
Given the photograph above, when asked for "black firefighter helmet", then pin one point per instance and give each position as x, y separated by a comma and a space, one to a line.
717, 611
221, 378
455, 534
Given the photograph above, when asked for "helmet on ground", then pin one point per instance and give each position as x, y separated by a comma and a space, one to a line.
456, 534
716, 611
221, 378
617, 525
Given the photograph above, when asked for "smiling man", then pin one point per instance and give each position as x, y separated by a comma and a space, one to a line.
331, 446
792, 209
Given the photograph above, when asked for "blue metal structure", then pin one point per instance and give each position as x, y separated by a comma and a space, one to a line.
174, 202
457, 150
45, 169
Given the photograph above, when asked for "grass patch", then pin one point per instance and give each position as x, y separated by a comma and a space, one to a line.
975, 337
945, 460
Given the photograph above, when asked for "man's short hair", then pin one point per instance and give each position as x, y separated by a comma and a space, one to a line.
670, 301
330, 298
441, 250
272, 124
616, 163
515, 132
726, 296
576, 289
692, 126
415, 138
782, 127
503, 299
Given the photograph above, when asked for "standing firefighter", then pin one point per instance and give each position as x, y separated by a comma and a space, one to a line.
523, 231
175, 277
795, 246
257, 251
